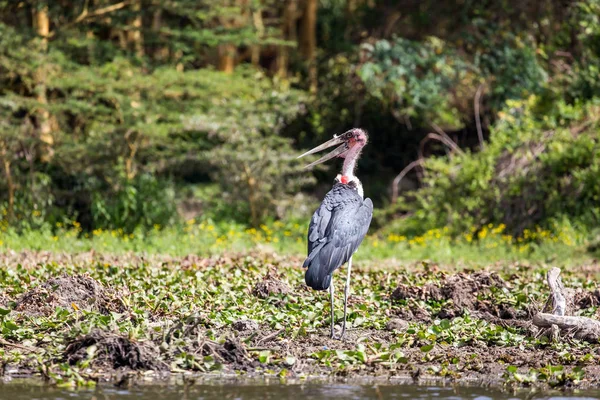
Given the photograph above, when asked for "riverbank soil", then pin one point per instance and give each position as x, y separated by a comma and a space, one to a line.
78, 318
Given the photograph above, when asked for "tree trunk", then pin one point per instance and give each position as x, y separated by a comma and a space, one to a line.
260, 30
227, 58
159, 52
289, 33
308, 40
41, 23
134, 34
9, 182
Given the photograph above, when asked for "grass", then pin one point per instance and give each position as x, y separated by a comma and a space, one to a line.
563, 246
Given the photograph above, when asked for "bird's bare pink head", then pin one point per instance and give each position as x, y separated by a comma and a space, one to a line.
351, 143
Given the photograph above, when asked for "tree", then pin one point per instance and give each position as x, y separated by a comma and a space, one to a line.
41, 21
308, 40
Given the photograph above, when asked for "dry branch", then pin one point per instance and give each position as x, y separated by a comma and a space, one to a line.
440, 136
401, 176
579, 327
556, 287
85, 14
478, 116
446, 139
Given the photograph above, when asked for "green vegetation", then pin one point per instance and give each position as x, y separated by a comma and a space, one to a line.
153, 213
136, 113
79, 318
562, 246
535, 170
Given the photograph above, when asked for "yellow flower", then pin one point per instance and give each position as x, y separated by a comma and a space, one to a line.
500, 228
482, 233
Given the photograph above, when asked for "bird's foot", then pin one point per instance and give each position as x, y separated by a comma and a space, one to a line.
336, 336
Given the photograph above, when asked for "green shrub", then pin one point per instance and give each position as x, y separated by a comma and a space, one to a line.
417, 79
535, 170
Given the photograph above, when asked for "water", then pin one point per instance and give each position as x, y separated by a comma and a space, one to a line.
17, 389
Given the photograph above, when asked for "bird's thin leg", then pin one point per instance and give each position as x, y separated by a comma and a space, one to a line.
331, 297
346, 293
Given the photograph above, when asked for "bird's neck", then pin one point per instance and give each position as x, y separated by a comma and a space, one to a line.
359, 189
350, 161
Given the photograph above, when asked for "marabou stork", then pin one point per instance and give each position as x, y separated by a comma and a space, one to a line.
340, 224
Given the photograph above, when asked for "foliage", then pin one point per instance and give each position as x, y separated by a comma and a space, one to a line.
586, 25
417, 79
139, 202
119, 113
534, 171
117, 124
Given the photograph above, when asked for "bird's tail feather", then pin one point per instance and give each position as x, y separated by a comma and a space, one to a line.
317, 281
319, 262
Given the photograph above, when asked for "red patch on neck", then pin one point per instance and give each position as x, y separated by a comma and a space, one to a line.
344, 179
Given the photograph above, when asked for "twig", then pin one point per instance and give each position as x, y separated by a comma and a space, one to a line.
440, 136
559, 303
401, 176
17, 346
85, 14
271, 336
545, 320
446, 139
477, 115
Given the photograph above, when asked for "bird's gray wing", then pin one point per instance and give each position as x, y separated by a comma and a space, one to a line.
336, 230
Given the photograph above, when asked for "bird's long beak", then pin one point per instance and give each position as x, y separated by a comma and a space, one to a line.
330, 143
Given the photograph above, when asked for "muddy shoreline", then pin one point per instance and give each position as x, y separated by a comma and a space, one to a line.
72, 319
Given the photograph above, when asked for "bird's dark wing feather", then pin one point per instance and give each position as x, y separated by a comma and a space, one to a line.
336, 230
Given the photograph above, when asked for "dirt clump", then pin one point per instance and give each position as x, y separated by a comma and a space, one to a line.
427, 292
232, 353
269, 286
397, 324
76, 291
4, 299
585, 299
464, 290
245, 325
110, 350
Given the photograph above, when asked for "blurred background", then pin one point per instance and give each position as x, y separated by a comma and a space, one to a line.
139, 115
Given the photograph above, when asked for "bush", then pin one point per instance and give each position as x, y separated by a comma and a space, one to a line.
537, 169
123, 136
418, 79
143, 202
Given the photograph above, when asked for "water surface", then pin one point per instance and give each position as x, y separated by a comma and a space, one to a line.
22, 389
